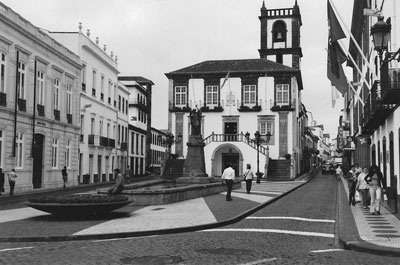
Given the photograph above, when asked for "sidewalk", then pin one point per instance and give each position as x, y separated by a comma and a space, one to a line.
378, 234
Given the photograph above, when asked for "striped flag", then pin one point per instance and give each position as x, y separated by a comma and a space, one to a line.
226, 79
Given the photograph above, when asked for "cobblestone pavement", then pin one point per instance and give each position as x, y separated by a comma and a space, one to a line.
269, 236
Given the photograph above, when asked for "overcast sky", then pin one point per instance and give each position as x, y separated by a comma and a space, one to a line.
153, 37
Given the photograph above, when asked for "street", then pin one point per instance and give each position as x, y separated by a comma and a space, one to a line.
297, 229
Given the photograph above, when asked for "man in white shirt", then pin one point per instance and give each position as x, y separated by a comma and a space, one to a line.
228, 176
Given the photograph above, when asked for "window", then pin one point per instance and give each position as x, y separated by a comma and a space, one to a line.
142, 143
94, 79
82, 123
101, 128
1, 148
68, 153
212, 95
40, 88
54, 153
84, 74
21, 80
249, 95
108, 130
69, 99
102, 84
109, 91
266, 125
282, 94
92, 126
56, 94
180, 96
3, 73
19, 152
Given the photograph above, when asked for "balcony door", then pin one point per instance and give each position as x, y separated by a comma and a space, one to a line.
38, 161
230, 131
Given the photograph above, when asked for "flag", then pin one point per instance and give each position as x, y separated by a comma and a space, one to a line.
336, 56
226, 79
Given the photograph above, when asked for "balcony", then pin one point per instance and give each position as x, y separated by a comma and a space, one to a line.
3, 99
56, 114
69, 118
375, 112
111, 143
40, 110
93, 140
212, 108
390, 85
283, 106
139, 104
124, 146
244, 107
103, 141
22, 104
179, 108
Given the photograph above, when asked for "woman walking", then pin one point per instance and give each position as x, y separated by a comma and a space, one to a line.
248, 177
363, 187
375, 181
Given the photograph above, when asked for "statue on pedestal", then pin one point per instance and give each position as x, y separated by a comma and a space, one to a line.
195, 121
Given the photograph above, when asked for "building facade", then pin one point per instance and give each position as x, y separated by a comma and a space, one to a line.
372, 118
139, 120
39, 105
239, 97
103, 106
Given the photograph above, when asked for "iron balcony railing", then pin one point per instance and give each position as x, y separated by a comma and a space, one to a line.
235, 138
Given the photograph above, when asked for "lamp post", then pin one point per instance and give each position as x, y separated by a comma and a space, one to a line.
170, 140
380, 32
258, 141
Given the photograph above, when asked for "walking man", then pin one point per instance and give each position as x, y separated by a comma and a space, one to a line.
228, 176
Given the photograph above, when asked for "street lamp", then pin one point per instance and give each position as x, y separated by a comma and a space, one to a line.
170, 140
259, 140
380, 32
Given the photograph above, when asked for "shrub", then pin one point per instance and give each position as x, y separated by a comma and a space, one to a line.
78, 199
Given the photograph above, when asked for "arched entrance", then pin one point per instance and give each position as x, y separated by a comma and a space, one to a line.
38, 161
224, 154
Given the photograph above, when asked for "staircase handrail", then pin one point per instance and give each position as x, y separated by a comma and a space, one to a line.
235, 138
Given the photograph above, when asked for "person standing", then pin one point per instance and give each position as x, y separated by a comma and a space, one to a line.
248, 177
376, 182
228, 176
358, 169
128, 174
2, 180
352, 184
363, 187
119, 183
64, 176
12, 176
339, 172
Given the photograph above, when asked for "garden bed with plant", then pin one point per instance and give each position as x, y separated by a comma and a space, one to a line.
78, 205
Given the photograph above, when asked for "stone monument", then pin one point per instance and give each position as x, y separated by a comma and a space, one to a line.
194, 168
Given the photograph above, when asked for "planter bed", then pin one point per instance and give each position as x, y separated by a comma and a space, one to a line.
78, 205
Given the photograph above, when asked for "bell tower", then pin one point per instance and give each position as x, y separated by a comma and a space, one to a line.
280, 35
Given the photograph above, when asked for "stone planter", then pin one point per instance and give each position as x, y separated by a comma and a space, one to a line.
83, 205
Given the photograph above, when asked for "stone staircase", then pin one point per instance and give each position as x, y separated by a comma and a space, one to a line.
279, 169
174, 168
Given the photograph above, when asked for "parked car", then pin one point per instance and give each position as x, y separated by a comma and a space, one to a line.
328, 168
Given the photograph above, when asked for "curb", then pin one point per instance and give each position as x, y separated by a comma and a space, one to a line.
152, 232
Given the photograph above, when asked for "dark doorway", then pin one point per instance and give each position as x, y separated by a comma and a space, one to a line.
373, 155
384, 158
391, 158
38, 161
230, 131
232, 158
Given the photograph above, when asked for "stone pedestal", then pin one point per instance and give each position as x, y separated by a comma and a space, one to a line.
194, 169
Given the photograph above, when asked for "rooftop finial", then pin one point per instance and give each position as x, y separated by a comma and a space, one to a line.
97, 40
116, 58
105, 47
88, 32
80, 26
112, 54
263, 9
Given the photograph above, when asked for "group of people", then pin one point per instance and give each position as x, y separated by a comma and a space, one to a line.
228, 176
369, 183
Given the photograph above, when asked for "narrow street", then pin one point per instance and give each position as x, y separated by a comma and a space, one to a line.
297, 229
